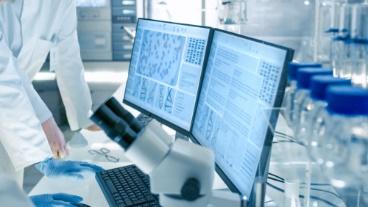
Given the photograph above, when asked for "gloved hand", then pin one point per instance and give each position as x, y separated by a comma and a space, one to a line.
55, 138
52, 168
57, 200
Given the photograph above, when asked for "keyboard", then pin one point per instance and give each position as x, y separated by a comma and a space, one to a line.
127, 186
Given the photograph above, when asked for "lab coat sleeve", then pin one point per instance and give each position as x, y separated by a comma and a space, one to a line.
11, 194
43, 113
67, 63
21, 133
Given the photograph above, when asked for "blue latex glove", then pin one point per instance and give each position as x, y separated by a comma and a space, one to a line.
53, 168
57, 200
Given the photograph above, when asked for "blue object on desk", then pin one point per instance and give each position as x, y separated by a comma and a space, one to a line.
52, 167
104, 152
59, 199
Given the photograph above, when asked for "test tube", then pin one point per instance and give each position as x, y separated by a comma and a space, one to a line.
340, 44
359, 46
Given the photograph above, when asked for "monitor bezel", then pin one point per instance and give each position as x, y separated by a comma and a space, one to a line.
262, 169
157, 117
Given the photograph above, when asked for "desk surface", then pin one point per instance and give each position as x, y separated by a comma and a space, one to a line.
89, 189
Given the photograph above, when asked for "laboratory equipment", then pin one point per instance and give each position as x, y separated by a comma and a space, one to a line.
345, 141
340, 43
309, 106
256, 81
359, 45
177, 174
117, 186
104, 152
233, 14
303, 84
316, 122
165, 71
326, 28
291, 89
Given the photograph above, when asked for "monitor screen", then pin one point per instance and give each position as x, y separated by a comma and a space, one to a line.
165, 71
239, 90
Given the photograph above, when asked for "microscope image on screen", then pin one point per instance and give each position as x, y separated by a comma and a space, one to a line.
166, 67
160, 56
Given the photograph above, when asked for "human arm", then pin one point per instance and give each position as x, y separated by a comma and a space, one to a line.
66, 62
21, 132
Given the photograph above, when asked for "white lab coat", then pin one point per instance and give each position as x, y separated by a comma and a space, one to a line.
51, 26
11, 195
21, 136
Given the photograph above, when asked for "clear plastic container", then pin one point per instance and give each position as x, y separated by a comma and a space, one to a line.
288, 103
326, 27
302, 98
359, 46
314, 106
339, 43
344, 145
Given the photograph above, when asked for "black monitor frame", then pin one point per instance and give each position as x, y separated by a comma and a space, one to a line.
204, 66
262, 170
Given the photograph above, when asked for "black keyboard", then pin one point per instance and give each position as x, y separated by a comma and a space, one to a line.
127, 186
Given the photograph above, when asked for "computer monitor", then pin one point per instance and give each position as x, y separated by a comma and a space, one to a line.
243, 82
165, 71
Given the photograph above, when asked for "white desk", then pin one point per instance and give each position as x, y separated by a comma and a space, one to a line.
89, 188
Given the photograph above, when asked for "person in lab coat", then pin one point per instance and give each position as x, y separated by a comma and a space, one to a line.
29, 30
11, 195
50, 26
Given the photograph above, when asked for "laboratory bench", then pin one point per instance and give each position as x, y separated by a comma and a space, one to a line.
289, 161
88, 188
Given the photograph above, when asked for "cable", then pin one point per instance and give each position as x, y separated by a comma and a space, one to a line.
313, 189
285, 135
302, 196
281, 179
289, 138
284, 141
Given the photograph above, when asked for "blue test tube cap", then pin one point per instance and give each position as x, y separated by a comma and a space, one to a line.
305, 75
332, 30
347, 100
320, 83
294, 67
360, 41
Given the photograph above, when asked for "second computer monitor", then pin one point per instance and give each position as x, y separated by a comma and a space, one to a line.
165, 71
242, 85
